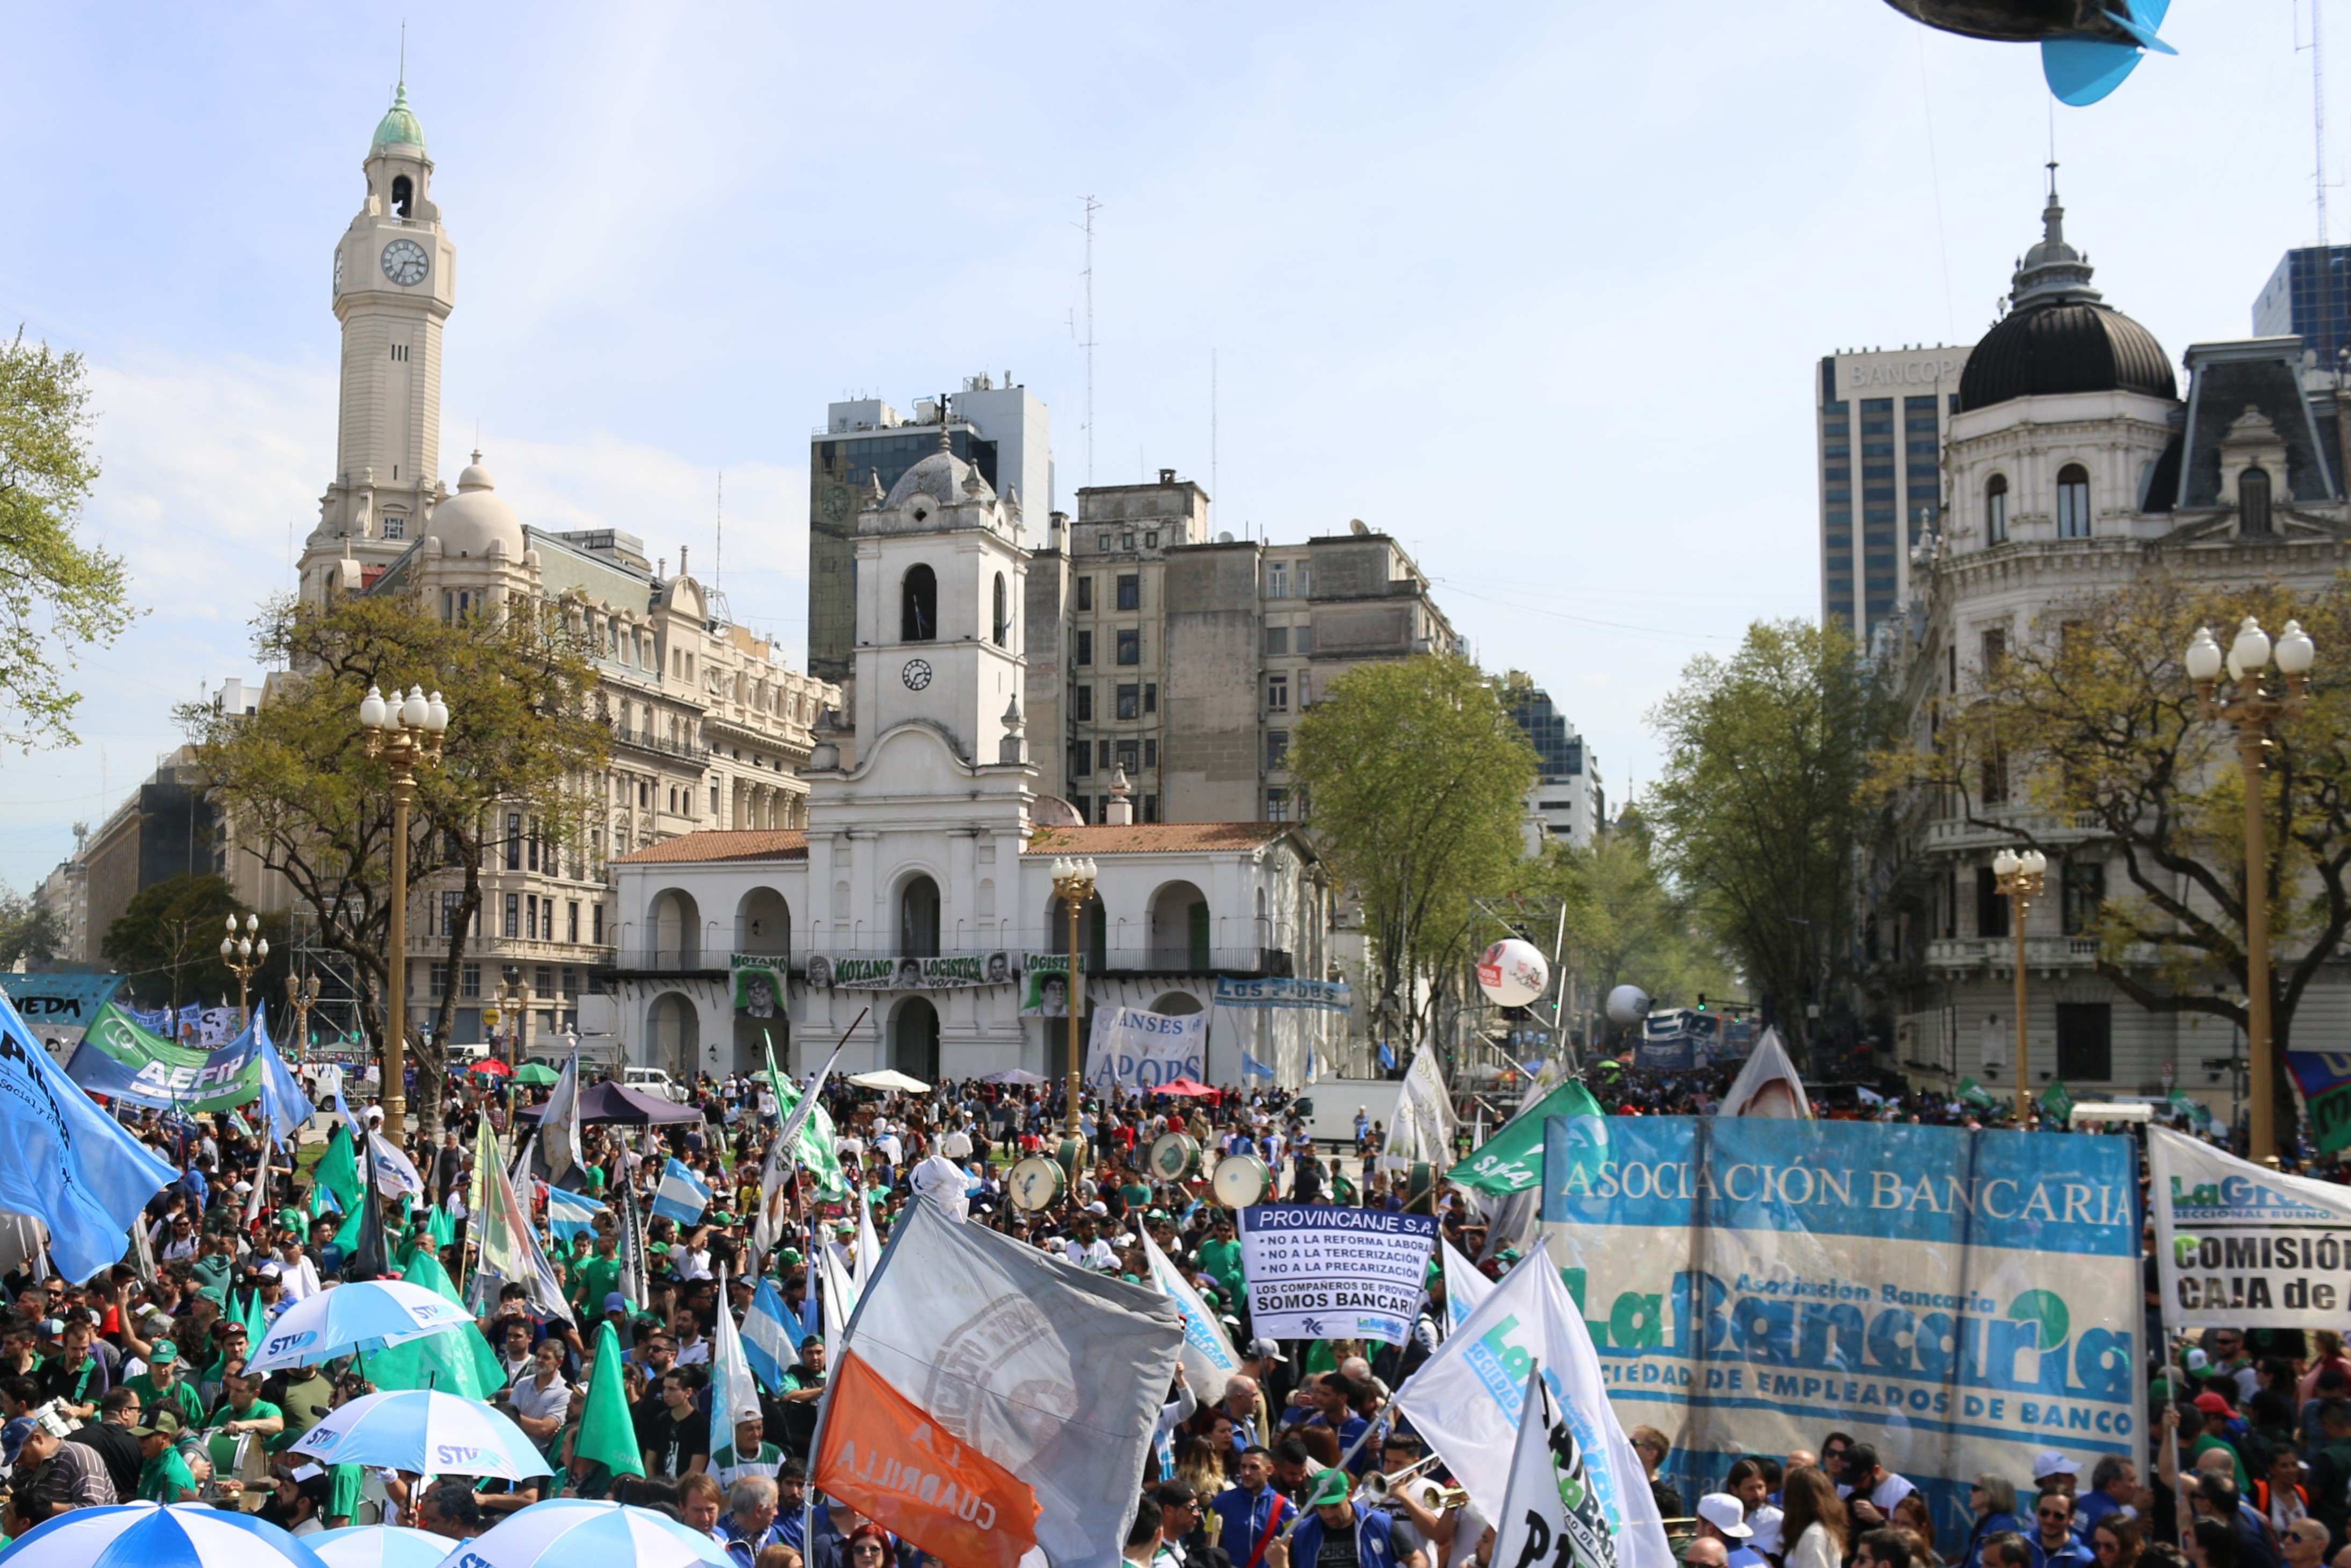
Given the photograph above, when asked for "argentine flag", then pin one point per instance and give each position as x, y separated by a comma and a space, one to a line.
682, 1196
571, 1216
771, 1339
1252, 1068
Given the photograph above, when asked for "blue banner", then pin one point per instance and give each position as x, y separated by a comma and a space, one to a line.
1276, 991
1960, 1300
58, 1001
69, 1165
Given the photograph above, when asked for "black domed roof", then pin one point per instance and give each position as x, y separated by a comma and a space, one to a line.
2065, 346
2058, 337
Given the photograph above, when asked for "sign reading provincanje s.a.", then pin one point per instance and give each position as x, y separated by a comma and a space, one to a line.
1320, 1272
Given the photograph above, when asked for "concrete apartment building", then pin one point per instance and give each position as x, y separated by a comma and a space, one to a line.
1566, 800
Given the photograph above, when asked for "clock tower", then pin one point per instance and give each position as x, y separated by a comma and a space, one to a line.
394, 282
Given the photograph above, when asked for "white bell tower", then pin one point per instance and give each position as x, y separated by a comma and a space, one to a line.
394, 284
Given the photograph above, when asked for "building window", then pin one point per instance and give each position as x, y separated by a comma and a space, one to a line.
1101, 756
1276, 805
2085, 1041
1151, 754
1996, 510
514, 841
571, 927
1082, 759
1150, 538
2083, 887
1151, 807
1277, 694
570, 979
530, 916
1277, 748
469, 981
1994, 651
531, 840
1081, 703
451, 903
596, 919
437, 980
2073, 502
1992, 906
1993, 779
918, 605
1277, 641
1277, 580
1003, 621
1085, 593
1130, 592
1126, 539
1130, 645
1129, 702
1130, 755
1301, 639
543, 983
2253, 501
1085, 650
395, 527
1101, 543
514, 915
1151, 696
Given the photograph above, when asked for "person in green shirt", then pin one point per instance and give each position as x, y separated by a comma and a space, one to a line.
245, 1410
343, 1487
163, 1476
164, 1385
748, 1455
309, 1395
1220, 1255
596, 1277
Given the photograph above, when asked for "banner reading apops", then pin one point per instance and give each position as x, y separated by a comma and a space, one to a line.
1962, 1300
1135, 1048
2242, 1247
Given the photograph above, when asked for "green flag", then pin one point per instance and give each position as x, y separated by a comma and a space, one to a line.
2056, 1102
1974, 1093
2179, 1105
339, 1170
443, 1227
1511, 1160
816, 1150
606, 1435
456, 1361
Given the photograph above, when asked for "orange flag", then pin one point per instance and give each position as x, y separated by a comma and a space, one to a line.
887, 1459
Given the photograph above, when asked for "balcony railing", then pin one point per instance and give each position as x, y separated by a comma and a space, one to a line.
2013, 826
1999, 952
1164, 960
646, 740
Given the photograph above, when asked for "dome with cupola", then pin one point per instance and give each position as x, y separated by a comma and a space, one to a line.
475, 518
2059, 336
399, 127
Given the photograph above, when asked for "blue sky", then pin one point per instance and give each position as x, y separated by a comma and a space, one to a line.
1537, 289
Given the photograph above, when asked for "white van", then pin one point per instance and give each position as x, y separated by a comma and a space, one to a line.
654, 1081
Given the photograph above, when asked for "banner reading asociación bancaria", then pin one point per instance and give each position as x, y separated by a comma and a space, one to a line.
1960, 1300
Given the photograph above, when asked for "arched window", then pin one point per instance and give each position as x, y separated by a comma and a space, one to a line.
1996, 510
918, 919
403, 194
2253, 501
918, 602
2073, 502
1003, 611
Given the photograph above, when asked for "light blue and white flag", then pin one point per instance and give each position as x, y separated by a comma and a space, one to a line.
733, 1396
570, 1215
1466, 1288
1207, 1354
1388, 1058
771, 1337
282, 1100
1252, 1068
70, 1165
681, 1194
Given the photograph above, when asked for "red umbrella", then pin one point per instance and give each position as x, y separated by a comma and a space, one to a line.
1184, 1087
491, 1065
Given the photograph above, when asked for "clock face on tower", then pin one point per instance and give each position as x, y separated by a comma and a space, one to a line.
916, 675
405, 263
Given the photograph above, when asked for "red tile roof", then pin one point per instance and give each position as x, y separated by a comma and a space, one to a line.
716, 845
1152, 838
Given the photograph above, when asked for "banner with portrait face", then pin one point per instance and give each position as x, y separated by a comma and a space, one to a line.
946, 972
759, 984
1045, 985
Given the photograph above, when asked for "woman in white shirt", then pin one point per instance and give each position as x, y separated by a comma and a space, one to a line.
1813, 1519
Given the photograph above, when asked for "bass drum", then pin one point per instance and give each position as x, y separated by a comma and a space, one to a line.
1174, 1157
1240, 1180
1036, 1183
1420, 1188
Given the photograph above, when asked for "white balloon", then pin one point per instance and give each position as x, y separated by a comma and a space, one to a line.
1513, 973
1627, 1005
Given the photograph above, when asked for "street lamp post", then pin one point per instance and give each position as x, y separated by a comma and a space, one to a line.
2254, 711
1073, 884
513, 1004
2020, 876
245, 956
301, 996
406, 733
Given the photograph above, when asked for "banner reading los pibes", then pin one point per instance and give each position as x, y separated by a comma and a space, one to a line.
1962, 1300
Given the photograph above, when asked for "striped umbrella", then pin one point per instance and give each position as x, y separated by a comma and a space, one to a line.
573, 1533
147, 1535
425, 1433
379, 1546
365, 1316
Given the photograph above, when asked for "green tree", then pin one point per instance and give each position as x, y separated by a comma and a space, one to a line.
57, 594
1415, 780
1624, 924
29, 930
2084, 740
305, 799
167, 940
1761, 807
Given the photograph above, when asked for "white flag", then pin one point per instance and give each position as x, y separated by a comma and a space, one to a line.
1466, 1288
734, 1394
1549, 1511
839, 1297
1054, 1373
782, 1160
1208, 1359
1424, 1116
1466, 1401
509, 1248
561, 1123
869, 1246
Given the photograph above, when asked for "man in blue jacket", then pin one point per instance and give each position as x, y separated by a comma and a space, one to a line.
1340, 1533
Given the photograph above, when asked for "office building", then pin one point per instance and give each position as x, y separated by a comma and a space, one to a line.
1882, 420
2309, 297
864, 450
1566, 802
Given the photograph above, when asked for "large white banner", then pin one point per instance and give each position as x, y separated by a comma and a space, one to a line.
1962, 1300
1317, 1271
1424, 1117
1467, 1401
2243, 1247
1132, 1049
1208, 1359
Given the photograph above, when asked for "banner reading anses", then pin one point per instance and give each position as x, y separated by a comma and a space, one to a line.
2241, 1247
1960, 1300
1323, 1272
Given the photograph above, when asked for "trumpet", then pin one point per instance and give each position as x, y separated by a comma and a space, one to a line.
1377, 1488
1433, 1499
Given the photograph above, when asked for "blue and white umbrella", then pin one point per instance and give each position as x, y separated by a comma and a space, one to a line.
370, 1315
425, 1432
148, 1535
574, 1533
379, 1546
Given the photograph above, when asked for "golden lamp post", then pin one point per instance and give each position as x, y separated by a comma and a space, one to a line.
2020, 877
301, 996
2253, 710
406, 733
1073, 884
245, 956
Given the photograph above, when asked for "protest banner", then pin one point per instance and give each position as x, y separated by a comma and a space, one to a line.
59, 1004
1135, 1048
758, 983
2240, 1246
122, 1061
1511, 1160
1045, 985
1282, 992
1318, 1271
2324, 1079
952, 972
1960, 1300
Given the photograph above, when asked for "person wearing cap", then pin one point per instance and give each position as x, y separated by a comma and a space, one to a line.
2218, 1418
164, 1385
163, 1475
54, 1477
1332, 1517
1722, 1517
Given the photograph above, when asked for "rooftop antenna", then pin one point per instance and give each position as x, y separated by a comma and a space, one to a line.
2318, 177
718, 551
1212, 422
1092, 207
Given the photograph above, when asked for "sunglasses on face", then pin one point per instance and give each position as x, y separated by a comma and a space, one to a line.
2055, 1513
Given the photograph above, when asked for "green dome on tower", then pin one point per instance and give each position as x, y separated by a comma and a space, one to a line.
399, 124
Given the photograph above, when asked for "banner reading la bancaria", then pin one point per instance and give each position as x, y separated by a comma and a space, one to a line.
2243, 1247
1962, 1300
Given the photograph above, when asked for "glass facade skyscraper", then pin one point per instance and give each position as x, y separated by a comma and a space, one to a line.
1879, 421
2309, 296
